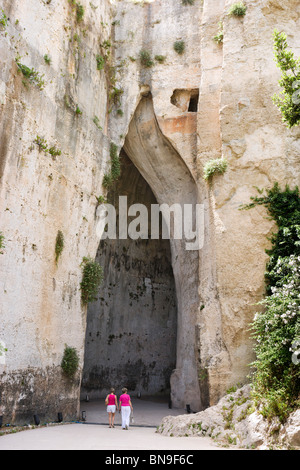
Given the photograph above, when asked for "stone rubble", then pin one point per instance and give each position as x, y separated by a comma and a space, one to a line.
235, 422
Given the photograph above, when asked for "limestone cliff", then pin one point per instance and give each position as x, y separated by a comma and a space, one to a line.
89, 88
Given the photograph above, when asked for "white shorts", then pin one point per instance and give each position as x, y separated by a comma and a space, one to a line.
111, 408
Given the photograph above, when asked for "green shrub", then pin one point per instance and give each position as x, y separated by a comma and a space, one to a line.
2, 349
115, 95
3, 19
96, 121
288, 100
43, 146
145, 58
218, 165
276, 378
188, 2
79, 12
2, 245
41, 143
54, 151
70, 361
100, 62
276, 384
47, 59
59, 245
284, 208
237, 9
219, 36
78, 8
160, 58
31, 75
91, 280
115, 168
179, 47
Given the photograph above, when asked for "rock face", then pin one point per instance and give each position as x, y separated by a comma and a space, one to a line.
233, 422
171, 118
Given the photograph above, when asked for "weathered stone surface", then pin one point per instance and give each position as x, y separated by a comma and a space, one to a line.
234, 422
217, 287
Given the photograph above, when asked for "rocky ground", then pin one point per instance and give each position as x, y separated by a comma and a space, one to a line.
234, 421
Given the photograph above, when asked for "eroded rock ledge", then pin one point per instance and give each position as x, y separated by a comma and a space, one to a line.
234, 421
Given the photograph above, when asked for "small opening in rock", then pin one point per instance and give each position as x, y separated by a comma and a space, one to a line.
193, 105
186, 100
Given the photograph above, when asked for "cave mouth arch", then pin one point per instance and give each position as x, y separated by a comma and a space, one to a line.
132, 327
161, 166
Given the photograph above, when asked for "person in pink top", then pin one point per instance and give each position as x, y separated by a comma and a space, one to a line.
112, 405
125, 406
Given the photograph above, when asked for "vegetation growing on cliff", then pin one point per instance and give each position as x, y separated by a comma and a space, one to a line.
43, 146
2, 349
237, 9
79, 9
188, 2
145, 58
276, 379
70, 361
179, 47
59, 245
1, 243
3, 19
91, 280
115, 167
220, 34
30, 75
218, 165
288, 100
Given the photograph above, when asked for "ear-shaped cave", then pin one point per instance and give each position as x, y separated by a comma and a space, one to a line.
132, 327
141, 331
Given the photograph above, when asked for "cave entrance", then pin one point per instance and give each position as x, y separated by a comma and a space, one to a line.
131, 328
144, 324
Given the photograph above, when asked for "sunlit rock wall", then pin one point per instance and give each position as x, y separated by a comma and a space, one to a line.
40, 307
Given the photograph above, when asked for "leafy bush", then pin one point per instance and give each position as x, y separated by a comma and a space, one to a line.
145, 58
79, 12
277, 330
100, 62
3, 19
91, 280
276, 378
2, 245
31, 75
47, 59
160, 58
70, 361
188, 2
115, 169
43, 145
220, 35
115, 95
2, 349
284, 208
288, 100
237, 9
59, 245
179, 47
218, 165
